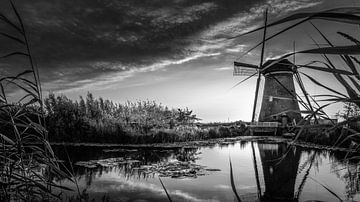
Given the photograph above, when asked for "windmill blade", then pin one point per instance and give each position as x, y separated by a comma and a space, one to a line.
261, 64
242, 81
241, 64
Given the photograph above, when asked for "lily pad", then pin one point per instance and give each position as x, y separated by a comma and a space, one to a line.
110, 162
176, 169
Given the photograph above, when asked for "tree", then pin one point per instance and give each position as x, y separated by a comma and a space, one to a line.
350, 110
82, 106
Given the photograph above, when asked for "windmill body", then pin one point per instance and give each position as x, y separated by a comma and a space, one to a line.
279, 106
279, 102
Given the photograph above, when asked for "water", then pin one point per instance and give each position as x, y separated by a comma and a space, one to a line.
287, 174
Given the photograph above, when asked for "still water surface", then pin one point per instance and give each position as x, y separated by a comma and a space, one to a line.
284, 174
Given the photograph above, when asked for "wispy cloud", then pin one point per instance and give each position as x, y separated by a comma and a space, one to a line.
223, 68
106, 81
247, 20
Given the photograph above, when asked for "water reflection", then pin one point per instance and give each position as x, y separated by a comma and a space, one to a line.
133, 159
285, 178
263, 172
347, 169
280, 166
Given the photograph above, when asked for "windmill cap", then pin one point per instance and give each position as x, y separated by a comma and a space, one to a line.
278, 67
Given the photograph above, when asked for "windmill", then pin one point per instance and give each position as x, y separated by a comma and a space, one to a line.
280, 102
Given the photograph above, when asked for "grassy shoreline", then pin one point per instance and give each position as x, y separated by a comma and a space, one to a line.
212, 142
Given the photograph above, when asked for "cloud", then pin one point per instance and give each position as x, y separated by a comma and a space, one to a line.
87, 43
109, 184
223, 68
222, 186
244, 21
105, 81
236, 49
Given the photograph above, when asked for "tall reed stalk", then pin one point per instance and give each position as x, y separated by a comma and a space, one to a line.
28, 164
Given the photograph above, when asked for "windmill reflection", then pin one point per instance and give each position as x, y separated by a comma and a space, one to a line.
280, 168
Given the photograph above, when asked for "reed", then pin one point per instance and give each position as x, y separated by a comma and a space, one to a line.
28, 164
166, 192
232, 181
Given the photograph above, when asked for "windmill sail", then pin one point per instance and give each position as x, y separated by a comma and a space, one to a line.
244, 69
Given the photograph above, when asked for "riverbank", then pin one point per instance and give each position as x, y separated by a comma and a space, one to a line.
211, 143
180, 133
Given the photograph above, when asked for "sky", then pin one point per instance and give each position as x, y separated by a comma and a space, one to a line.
176, 52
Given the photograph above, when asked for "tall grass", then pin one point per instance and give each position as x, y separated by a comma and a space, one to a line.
27, 163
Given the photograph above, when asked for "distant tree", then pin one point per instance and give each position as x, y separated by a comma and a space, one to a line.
185, 116
350, 110
101, 103
82, 106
